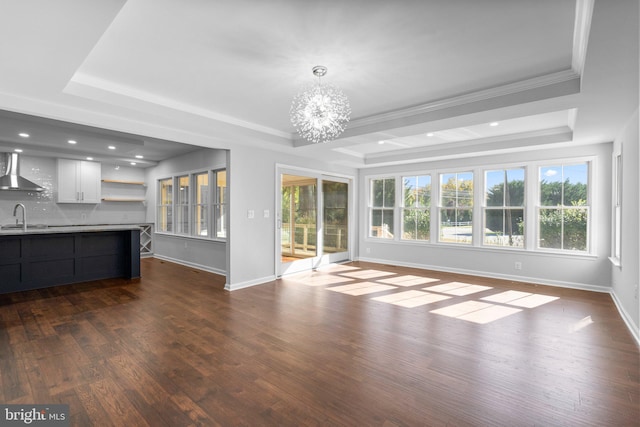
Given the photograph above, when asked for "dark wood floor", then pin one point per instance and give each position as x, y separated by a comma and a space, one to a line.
356, 345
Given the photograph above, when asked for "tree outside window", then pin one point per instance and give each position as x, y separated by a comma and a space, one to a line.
383, 195
456, 207
416, 214
564, 207
504, 208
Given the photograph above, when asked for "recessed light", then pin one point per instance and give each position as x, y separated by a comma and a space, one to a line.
430, 134
71, 141
112, 147
133, 163
89, 158
380, 142
494, 124
139, 157
24, 135
18, 150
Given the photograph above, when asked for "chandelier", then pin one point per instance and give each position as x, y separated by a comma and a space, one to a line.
320, 112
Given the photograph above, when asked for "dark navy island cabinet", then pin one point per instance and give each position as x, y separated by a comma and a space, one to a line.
33, 260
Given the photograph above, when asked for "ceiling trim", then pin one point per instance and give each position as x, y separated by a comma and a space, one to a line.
91, 87
474, 147
581, 30
468, 98
553, 85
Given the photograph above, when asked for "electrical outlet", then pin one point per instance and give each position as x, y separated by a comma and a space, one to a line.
368, 250
518, 265
251, 214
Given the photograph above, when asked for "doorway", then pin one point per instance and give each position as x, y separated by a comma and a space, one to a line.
313, 221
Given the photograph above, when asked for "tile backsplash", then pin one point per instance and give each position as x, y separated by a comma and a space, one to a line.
42, 208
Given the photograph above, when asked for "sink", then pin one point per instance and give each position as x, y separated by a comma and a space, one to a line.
20, 227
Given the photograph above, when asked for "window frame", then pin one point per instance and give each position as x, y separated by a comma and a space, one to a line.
470, 209
404, 208
168, 219
588, 206
617, 165
371, 208
485, 207
192, 205
531, 202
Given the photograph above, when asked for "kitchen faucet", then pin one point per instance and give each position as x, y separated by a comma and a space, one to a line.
24, 215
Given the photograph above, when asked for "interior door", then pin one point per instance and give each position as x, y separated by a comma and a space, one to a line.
313, 221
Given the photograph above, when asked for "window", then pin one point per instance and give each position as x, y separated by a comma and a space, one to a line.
182, 206
504, 208
198, 209
563, 212
382, 199
416, 214
220, 205
456, 208
165, 205
201, 204
617, 208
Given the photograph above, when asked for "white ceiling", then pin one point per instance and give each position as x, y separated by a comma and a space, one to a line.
219, 73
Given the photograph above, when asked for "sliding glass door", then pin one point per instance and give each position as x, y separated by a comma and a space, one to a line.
313, 221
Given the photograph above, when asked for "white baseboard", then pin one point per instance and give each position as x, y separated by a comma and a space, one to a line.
249, 283
191, 264
635, 330
532, 280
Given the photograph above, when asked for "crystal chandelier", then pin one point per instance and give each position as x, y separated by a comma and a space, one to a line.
320, 112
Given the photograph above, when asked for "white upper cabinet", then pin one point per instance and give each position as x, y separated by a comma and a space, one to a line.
78, 181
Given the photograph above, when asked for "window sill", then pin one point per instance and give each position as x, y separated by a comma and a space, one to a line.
616, 261
494, 249
187, 236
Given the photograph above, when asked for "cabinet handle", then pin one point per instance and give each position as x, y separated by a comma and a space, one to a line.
77, 195
82, 195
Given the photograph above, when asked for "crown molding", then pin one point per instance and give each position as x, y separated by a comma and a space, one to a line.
474, 147
99, 89
468, 98
581, 29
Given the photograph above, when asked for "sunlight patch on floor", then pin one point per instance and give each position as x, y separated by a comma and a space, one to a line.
581, 324
408, 280
337, 268
411, 299
457, 288
520, 299
476, 311
362, 288
367, 274
319, 280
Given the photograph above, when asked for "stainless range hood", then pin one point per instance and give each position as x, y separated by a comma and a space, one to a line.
12, 180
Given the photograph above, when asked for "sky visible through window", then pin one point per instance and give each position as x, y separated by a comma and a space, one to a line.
557, 173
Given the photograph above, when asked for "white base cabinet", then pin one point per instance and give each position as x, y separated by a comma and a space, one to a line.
78, 181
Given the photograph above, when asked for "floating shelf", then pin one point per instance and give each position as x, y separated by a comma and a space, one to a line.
122, 199
117, 181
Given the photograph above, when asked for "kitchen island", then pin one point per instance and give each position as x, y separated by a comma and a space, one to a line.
52, 256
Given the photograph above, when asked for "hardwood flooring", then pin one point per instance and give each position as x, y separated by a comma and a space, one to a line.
354, 345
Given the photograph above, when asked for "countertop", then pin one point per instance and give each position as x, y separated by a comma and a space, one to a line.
69, 229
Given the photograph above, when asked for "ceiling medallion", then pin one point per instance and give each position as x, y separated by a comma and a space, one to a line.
320, 112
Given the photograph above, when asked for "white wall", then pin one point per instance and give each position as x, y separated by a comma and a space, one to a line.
205, 254
42, 207
252, 180
625, 279
587, 272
